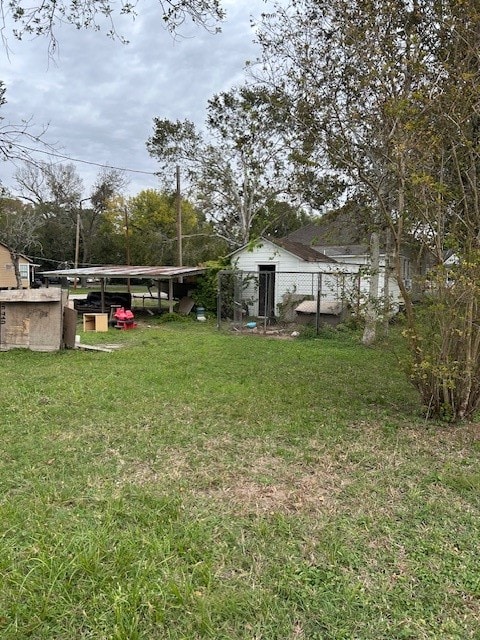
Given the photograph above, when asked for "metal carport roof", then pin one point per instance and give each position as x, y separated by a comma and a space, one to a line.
165, 274
125, 271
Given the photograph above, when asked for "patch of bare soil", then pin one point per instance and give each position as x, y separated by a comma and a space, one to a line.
260, 332
307, 494
243, 479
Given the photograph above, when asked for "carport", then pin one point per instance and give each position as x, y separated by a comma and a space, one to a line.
160, 275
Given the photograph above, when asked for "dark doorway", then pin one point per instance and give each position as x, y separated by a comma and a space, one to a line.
266, 290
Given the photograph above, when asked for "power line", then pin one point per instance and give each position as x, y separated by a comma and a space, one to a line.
89, 162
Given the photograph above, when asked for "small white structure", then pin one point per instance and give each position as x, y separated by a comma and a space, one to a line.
335, 235
266, 266
284, 271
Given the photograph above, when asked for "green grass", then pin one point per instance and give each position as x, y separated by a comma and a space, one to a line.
196, 484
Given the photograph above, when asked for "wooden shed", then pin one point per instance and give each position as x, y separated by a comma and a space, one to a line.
34, 319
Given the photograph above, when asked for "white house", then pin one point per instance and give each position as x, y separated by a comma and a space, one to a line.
283, 271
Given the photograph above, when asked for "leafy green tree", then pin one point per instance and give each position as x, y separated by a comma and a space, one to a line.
152, 219
236, 169
55, 191
353, 75
387, 93
279, 218
109, 183
143, 230
112, 239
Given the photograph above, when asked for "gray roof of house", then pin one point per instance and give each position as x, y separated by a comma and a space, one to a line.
340, 227
301, 250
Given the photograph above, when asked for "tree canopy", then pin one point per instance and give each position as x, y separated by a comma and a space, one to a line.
237, 168
385, 94
44, 18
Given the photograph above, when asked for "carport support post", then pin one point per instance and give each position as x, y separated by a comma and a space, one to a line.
102, 294
159, 294
170, 295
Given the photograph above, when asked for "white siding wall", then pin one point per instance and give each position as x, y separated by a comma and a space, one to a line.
333, 287
284, 262
362, 261
268, 253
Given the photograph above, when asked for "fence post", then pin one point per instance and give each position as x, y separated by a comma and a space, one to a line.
237, 300
319, 295
359, 291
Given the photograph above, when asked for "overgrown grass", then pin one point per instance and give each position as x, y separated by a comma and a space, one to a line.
195, 484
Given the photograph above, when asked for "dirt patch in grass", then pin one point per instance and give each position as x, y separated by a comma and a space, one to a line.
257, 476
243, 478
306, 493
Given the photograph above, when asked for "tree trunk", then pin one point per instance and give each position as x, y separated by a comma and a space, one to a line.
16, 266
386, 286
371, 313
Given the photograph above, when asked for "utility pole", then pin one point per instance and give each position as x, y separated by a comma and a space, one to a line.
179, 221
77, 236
77, 246
127, 244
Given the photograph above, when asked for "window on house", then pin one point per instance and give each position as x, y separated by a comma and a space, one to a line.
24, 271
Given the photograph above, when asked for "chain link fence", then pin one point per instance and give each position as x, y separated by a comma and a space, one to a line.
270, 297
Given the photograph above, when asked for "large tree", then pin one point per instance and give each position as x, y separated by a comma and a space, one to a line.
90, 219
279, 218
145, 227
55, 191
387, 92
153, 226
74, 225
237, 168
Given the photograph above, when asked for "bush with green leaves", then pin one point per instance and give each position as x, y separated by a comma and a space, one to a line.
445, 342
206, 292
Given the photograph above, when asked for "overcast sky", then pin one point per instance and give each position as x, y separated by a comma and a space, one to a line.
99, 97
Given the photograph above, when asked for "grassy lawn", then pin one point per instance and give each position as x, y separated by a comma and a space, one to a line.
196, 484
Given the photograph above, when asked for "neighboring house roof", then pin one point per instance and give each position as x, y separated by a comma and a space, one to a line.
344, 232
20, 254
348, 250
341, 227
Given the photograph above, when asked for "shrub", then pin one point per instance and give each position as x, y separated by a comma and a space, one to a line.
174, 317
206, 292
445, 342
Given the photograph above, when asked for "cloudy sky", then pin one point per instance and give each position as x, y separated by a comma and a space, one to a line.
99, 97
